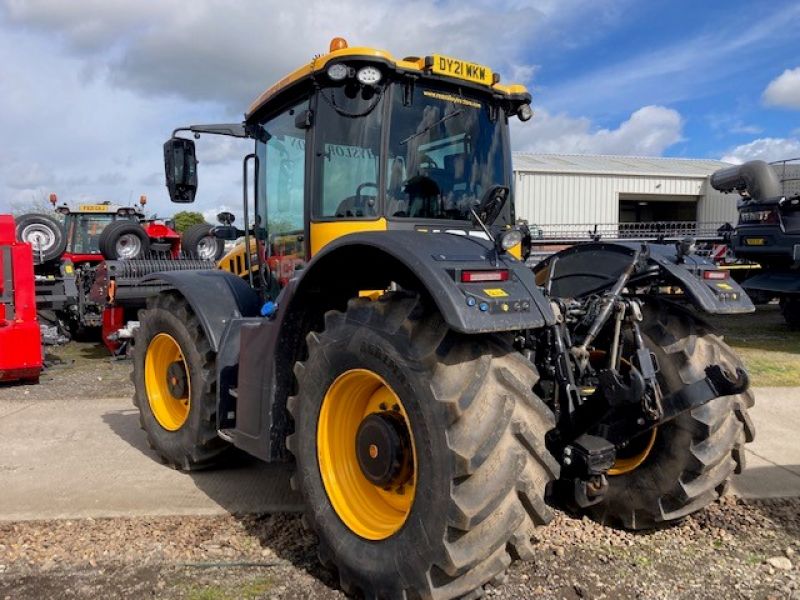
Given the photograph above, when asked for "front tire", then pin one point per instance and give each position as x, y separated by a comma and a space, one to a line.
686, 464
480, 466
174, 373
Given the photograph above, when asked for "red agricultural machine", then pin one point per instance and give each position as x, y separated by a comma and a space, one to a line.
89, 261
20, 341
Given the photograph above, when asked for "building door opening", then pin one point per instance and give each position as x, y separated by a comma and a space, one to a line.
644, 210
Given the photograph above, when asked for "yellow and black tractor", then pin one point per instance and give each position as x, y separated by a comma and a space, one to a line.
383, 333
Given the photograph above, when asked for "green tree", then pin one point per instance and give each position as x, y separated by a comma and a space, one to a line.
186, 218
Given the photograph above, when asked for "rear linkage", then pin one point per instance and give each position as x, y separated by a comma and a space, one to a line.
587, 386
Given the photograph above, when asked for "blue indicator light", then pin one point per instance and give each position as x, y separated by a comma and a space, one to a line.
483, 306
268, 309
470, 301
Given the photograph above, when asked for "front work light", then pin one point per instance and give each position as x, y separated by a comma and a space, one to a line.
524, 112
338, 71
509, 238
369, 75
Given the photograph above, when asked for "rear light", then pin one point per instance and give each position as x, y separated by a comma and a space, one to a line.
715, 275
480, 276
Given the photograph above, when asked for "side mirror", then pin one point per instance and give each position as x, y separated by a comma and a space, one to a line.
180, 167
226, 232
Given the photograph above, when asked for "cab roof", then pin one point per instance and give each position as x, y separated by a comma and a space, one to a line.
433, 65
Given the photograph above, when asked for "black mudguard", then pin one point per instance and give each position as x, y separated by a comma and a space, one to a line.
780, 282
594, 267
435, 261
215, 296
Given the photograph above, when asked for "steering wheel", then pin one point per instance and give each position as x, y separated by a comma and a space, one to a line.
491, 203
424, 159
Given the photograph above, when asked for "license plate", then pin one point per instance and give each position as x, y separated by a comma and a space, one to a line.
454, 67
93, 208
755, 242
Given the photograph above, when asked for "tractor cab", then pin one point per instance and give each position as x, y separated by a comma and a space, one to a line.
357, 140
84, 225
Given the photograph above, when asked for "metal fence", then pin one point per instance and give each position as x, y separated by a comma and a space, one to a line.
570, 233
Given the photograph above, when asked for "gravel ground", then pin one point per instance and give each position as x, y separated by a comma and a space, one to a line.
75, 370
734, 549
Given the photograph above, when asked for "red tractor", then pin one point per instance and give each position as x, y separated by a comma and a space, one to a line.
77, 246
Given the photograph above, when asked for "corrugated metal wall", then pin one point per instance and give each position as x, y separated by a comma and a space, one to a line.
556, 198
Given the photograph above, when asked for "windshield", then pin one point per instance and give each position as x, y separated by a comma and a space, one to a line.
445, 150
83, 231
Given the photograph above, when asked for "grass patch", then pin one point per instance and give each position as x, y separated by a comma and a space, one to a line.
237, 590
768, 348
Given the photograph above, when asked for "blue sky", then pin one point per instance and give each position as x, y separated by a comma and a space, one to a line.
89, 91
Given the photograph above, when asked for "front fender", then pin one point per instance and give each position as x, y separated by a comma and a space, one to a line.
215, 297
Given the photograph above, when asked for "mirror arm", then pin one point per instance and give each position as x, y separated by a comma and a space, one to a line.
237, 130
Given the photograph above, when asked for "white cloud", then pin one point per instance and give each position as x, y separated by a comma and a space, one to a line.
152, 47
767, 149
647, 132
784, 90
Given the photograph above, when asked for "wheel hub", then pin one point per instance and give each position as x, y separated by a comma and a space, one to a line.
383, 449
176, 379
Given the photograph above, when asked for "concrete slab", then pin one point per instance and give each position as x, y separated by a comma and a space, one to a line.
773, 459
81, 458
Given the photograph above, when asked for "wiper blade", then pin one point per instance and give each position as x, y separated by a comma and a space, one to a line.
431, 126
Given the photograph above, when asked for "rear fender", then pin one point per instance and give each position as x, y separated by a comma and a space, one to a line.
594, 267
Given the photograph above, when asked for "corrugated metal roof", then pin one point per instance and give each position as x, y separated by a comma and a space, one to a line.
615, 165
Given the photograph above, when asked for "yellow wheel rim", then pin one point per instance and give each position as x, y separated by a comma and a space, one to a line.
168, 394
638, 455
372, 511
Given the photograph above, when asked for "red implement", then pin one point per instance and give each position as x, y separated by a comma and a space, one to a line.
20, 338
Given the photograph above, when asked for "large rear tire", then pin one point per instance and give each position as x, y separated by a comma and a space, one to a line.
686, 464
479, 471
174, 373
45, 235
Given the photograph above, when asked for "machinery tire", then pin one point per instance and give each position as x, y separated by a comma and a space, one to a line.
198, 234
124, 240
694, 455
36, 229
476, 425
194, 444
790, 308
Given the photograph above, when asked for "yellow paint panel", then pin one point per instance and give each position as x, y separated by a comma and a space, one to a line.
324, 233
495, 293
461, 69
371, 294
469, 71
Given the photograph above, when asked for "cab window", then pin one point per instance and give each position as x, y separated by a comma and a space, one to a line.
348, 152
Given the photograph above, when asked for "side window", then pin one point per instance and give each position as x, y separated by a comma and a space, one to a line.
282, 160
